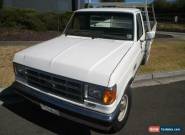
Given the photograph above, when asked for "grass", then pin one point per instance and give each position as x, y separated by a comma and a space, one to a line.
6, 68
166, 55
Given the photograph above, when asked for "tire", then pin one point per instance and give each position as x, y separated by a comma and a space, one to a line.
121, 118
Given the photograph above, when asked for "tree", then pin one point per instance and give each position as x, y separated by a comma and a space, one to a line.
180, 4
161, 4
166, 6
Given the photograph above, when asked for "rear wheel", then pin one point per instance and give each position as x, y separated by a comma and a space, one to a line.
124, 109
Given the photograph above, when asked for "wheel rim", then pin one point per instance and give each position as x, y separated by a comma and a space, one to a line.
123, 108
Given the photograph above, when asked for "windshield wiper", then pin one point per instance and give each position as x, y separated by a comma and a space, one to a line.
110, 36
89, 33
95, 34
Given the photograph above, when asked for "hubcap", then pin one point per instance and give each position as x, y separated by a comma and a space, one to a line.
123, 108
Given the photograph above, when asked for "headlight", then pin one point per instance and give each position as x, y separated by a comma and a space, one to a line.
19, 70
100, 94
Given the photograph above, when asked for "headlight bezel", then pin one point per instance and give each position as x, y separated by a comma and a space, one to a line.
102, 90
19, 70
97, 95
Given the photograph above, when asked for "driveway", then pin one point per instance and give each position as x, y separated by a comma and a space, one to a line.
154, 105
177, 35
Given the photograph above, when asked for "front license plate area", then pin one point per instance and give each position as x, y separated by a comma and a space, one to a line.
49, 109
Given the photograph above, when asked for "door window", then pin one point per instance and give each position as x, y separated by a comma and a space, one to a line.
139, 27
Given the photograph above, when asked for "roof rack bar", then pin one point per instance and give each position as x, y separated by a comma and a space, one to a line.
147, 19
118, 4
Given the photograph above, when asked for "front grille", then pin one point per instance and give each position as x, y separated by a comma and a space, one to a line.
54, 84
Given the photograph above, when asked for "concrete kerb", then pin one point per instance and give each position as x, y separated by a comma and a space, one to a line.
143, 77
159, 75
168, 74
20, 42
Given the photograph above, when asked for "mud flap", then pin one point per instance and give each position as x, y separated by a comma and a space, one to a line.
147, 49
147, 52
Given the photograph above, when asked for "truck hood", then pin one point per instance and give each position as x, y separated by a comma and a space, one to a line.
84, 59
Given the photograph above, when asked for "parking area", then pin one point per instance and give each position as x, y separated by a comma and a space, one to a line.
154, 105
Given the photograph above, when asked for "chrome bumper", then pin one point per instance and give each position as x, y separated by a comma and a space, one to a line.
67, 110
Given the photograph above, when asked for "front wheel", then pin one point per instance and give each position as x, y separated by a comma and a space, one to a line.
124, 109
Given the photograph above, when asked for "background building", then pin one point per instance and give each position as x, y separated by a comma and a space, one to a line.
45, 5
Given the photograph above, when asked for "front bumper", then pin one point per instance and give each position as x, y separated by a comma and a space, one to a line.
67, 110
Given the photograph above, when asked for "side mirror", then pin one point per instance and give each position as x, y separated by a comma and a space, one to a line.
150, 35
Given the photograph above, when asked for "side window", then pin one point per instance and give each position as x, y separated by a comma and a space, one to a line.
139, 27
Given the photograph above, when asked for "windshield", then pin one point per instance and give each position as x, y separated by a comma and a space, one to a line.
102, 25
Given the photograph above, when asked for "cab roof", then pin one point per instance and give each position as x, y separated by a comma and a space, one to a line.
125, 10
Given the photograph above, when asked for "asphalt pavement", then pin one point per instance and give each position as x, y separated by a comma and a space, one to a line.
162, 105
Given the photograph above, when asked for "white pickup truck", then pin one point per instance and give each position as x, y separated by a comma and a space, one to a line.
85, 74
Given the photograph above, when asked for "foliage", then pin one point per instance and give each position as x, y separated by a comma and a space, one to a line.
166, 6
50, 20
33, 20
1, 4
180, 4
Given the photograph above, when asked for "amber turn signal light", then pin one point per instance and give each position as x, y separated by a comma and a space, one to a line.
109, 96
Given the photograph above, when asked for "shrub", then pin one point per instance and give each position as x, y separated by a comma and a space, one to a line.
33, 20
50, 20
64, 19
21, 19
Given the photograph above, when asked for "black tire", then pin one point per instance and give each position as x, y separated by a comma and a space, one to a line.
118, 125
